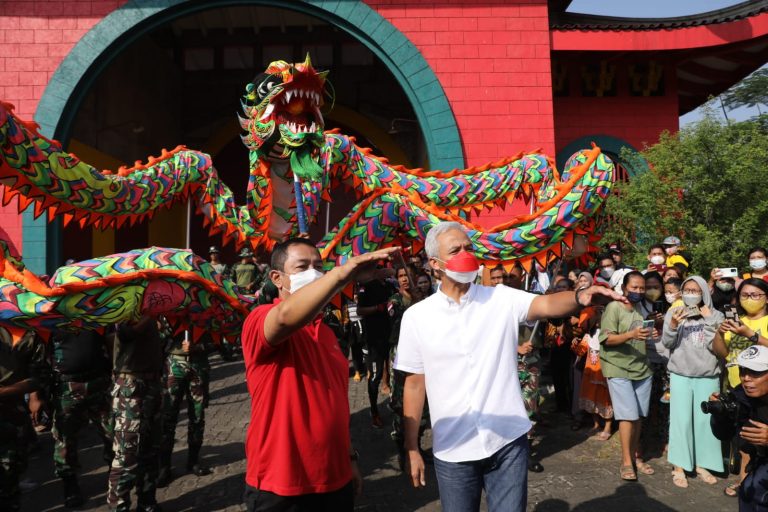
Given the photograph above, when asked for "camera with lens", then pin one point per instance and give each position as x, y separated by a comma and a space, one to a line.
725, 405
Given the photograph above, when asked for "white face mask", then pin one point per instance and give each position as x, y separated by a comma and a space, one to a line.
462, 277
657, 260
671, 297
691, 299
607, 272
301, 279
758, 264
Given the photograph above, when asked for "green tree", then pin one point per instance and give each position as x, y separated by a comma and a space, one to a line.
707, 184
750, 92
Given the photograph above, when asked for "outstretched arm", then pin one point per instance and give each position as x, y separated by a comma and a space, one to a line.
304, 305
559, 305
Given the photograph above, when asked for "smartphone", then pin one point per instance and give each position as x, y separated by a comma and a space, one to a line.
692, 311
731, 313
659, 268
658, 307
648, 324
728, 272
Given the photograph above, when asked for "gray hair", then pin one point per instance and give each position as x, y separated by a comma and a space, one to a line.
431, 247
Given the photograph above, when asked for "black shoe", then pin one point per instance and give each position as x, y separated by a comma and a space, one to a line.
72, 495
164, 477
534, 466
199, 469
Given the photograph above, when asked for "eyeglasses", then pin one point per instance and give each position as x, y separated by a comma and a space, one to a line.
754, 296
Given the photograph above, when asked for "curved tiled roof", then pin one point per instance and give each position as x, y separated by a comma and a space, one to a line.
562, 20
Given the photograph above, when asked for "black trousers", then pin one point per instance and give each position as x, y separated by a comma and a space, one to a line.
342, 500
376, 355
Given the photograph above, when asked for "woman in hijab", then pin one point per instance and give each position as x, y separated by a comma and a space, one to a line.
690, 334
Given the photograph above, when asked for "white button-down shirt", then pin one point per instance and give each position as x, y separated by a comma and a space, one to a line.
468, 355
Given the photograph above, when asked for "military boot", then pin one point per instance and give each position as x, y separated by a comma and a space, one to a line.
193, 463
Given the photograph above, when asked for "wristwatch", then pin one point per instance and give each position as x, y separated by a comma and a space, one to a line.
755, 338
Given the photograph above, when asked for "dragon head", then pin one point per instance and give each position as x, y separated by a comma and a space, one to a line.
283, 119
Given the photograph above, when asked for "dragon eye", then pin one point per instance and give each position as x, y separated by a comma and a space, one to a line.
266, 86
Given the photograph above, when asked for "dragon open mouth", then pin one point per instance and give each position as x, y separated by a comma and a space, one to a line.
283, 119
297, 109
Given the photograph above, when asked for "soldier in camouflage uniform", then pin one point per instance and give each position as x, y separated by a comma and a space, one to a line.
186, 376
396, 306
80, 393
22, 371
136, 403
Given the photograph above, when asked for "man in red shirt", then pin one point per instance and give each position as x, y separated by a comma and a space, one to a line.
298, 450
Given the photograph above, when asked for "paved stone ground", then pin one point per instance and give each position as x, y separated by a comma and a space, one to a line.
581, 475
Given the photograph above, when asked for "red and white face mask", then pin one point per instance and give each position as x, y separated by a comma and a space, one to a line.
462, 267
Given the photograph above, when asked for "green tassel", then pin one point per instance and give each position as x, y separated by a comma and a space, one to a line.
304, 165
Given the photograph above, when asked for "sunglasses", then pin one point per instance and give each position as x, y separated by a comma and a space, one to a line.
752, 373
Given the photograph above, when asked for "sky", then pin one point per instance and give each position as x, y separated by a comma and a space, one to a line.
662, 9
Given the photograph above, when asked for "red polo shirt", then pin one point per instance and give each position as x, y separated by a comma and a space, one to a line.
298, 439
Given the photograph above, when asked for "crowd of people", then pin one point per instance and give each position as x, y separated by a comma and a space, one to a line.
629, 352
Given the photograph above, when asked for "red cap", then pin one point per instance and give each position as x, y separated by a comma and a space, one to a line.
462, 262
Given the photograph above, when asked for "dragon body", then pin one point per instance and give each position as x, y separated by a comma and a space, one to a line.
294, 165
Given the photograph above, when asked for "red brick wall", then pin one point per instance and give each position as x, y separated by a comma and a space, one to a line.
34, 38
493, 61
637, 120
10, 225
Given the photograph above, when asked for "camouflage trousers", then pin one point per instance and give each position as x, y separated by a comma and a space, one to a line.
76, 403
397, 388
184, 378
136, 410
13, 452
529, 376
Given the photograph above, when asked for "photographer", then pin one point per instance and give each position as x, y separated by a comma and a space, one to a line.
740, 333
745, 411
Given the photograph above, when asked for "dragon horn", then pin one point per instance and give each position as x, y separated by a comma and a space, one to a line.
307, 62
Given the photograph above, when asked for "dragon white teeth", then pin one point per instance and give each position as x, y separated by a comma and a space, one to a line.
267, 112
288, 95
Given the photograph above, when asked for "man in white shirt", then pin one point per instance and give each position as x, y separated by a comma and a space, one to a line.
459, 348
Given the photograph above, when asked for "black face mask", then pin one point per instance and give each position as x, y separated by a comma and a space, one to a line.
635, 297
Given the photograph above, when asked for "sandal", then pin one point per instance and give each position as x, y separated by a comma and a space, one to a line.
706, 476
732, 490
602, 436
679, 479
628, 473
644, 468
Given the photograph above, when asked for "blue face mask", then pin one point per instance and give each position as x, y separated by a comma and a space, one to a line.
635, 297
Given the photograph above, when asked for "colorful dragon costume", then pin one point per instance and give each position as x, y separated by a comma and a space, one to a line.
294, 165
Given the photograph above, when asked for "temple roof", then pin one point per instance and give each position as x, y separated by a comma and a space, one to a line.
561, 20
